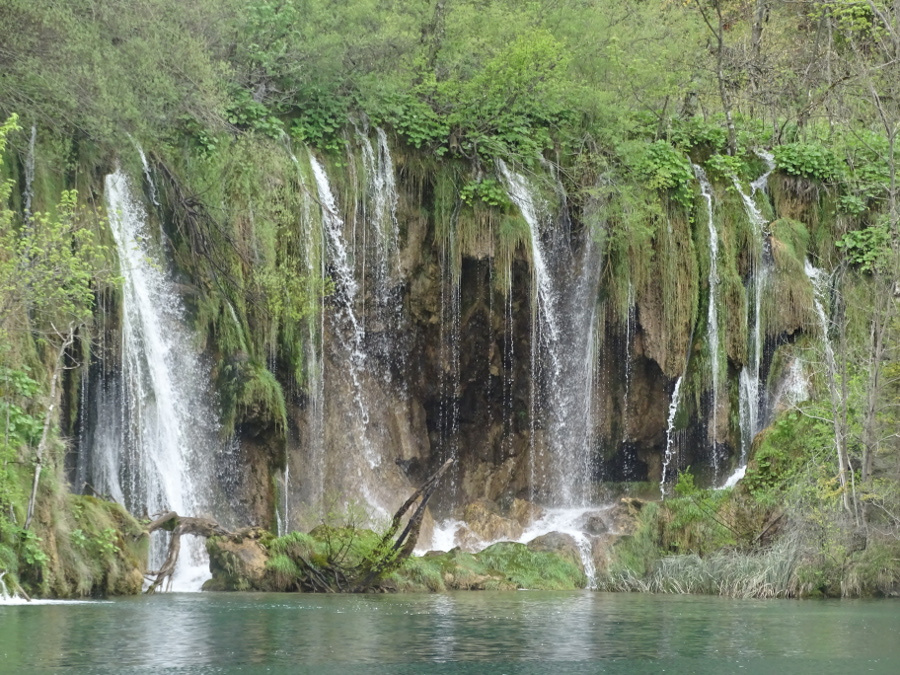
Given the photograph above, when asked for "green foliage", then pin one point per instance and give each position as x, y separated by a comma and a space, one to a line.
246, 113
488, 190
808, 160
413, 118
662, 167
725, 167
697, 132
320, 118
48, 265
868, 248
781, 453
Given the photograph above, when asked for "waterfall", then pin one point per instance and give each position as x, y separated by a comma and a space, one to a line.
670, 433
313, 375
29, 173
819, 281
152, 444
148, 176
752, 396
347, 325
385, 315
712, 316
631, 320
449, 386
563, 346
7, 598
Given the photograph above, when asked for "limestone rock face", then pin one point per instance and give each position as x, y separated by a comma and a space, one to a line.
601, 552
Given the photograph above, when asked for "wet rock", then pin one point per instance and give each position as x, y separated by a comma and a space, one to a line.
564, 545
593, 523
484, 520
236, 565
623, 516
466, 540
525, 512
602, 553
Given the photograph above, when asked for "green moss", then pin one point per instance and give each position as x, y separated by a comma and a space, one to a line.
534, 570
788, 305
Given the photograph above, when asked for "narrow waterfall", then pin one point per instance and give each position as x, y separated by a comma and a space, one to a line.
712, 315
347, 326
819, 281
152, 442
670, 434
752, 396
449, 360
28, 195
630, 325
313, 374
7, 598
148, 175
562, 346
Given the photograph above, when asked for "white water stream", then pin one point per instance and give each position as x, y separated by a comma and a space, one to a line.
28, 195
563, 347
752, 395
152, 446
712, 314
346, 291
670, 434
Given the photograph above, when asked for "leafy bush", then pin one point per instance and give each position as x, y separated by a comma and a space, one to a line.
808, 160
697, 132
487, 190
663, 167
869, 248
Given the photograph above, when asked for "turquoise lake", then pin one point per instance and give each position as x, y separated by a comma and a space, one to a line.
524, 632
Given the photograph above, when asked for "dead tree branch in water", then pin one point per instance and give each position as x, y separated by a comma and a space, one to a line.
332, 575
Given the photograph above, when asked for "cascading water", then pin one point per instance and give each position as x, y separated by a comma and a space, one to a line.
670, 434
450, 327
752, 396
563, 345
819, 281
152, 440
346, 291
631, 320
712, 315
28, 195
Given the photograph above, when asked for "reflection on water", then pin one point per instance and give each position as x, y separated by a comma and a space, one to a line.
523, 632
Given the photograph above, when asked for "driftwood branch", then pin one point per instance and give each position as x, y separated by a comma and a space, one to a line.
179, 525
390, 552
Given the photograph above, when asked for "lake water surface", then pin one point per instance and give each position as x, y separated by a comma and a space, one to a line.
524, 632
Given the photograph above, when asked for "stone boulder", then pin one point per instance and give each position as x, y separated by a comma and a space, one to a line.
602, 553
623, 516
236, 565
564, 545
593, 523
483, 518
525, 512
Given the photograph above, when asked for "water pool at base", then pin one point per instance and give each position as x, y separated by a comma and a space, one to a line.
516, 633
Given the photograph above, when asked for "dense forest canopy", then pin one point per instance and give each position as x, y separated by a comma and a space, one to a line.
620, 97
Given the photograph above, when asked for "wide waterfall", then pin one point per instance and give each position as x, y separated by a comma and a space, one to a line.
564, 326
153, 433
